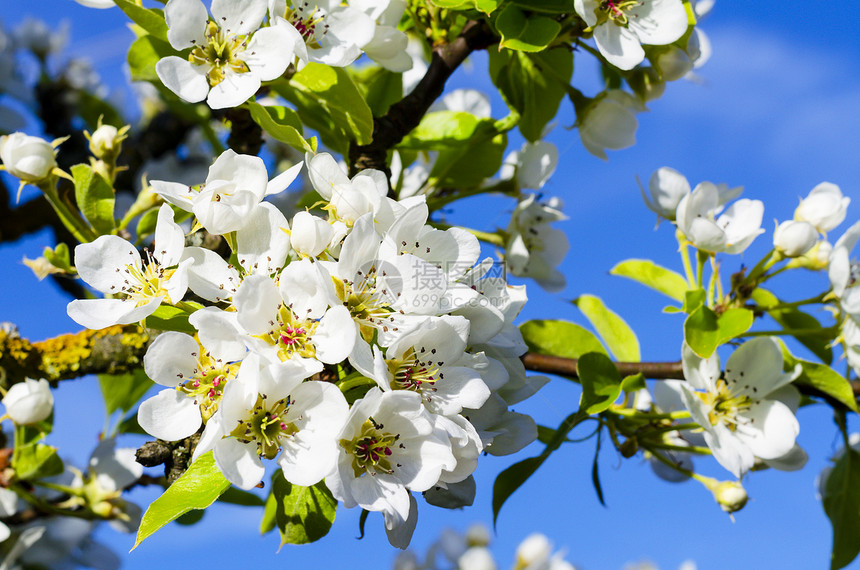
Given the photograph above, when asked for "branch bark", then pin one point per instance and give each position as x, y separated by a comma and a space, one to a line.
405, 115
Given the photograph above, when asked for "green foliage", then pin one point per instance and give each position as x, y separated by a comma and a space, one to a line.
36, 461
123, 391
143, 54
559, 338
651, 275
59, 256
197, 488
547, 6
329, 102
791, 318
822, 378
601, 382
95, 198
302, 514
92, 108
520, 31
150, 19
704, 331
283, 124
616, 334
381, 88
532, 84
842, 504
170, 318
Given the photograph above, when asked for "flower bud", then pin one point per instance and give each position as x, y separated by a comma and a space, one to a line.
792, 238
478, 535
29, 158
673, 63
105, 142
29, 402
731, 496
824, 207
646, 83
309, 234
816, 259
477, 558
609, 122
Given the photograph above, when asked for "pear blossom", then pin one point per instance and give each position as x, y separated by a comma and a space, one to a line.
196, 378
609, 122
824, 207
532, 165
793, 238
32, 159
114, 267
324, 31
233, 189
348, 198
390, 445
843, 273
732, 232
271, 412
738, 410
100, 4
621, 26
388, 46
667, 187
534, 249
309, 234
231, 56
34, 35
29, 402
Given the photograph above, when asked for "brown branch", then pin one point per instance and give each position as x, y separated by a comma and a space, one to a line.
113, 350
405, 115
655, 370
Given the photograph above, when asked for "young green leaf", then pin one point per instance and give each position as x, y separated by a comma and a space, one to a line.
36, 461
282, 123
559, 338
822, 378
95, 198
648, 273
601, 382
150, 19
842, 504
123, 391
616, 334
302, 514
791, 318
197, 488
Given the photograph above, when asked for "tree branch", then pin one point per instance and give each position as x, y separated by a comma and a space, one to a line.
405, 115
113, 350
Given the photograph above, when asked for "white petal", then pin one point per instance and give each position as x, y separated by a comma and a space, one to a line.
659, 22
335, 335
169, 239
239, 463
257, 302
184, 78
219, 333
171, 358
239, 17
325, 174
174, 193
186, 23
619, 46
101, 263
771, 429
280, 182
169, 415
100, 313
209, 275
270, 51
262, 244
235, 89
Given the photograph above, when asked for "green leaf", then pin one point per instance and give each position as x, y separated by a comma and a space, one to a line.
95, 198
559, 338
197, 488
382, 88
841, 502
601, 382
123, 391
704, 331
693, 299
170, 318
648, 273
733, 323
150, 19
282, 124
440, 129
487, 6
791, 318
190, 518
59, 256
143, 54
619, 338
482, 158
595, 474
236, 496
514, 476
548, 6
633, 383
36, 461
822, 378
449, 3
302, 514
523, 32
328, 101
533, 84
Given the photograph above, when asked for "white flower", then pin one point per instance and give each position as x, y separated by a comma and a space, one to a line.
534, 249
234, 187
609, 122
100, 4
388, 46
793, 238
323, 31
532, 165
667, 187
825, 207
113, 266
230, 55
269, 411
348, 199
8, 507
738, 410
842, 273
388, 447
620, 26
732, 232
196, 378
29, 402
29, 158
309, 234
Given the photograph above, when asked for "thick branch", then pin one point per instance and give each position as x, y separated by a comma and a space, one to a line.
114, 350
405, 115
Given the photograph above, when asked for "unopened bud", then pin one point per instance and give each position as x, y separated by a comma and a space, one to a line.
29, 158
646, 83
793, 238
731, 496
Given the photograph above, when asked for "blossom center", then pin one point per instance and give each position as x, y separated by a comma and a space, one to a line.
266, 425
207, 384
412, 373
371, 449
292, 335
368, 304
142, 284
616, 11
220, 54
725, 406
307, 21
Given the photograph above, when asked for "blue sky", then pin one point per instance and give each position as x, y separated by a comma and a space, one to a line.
775, 112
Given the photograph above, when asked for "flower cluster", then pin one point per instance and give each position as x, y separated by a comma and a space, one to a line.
365, 348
